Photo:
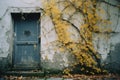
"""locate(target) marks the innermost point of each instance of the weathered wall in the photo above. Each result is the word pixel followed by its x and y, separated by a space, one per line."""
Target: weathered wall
pixel 107 44
pixel 51 58
pixel 6 28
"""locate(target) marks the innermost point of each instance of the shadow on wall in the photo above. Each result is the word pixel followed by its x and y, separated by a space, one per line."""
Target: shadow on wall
pixel 3 65
pixel 113 60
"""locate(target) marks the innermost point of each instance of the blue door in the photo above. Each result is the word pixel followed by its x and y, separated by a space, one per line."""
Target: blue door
pixel 26 41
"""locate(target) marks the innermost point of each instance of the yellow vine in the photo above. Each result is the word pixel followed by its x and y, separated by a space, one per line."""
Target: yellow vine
pixel 87 58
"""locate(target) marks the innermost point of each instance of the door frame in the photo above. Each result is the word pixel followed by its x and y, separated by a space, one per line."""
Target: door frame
pixel 38 33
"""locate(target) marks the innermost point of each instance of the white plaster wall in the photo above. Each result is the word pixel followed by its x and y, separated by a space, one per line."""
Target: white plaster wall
pixel 50 56
pixel 6 28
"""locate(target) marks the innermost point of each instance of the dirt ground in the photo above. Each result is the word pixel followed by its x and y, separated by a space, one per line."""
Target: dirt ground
pixel 63 77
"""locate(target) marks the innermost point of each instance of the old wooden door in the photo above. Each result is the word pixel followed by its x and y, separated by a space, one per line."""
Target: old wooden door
pixel 26 41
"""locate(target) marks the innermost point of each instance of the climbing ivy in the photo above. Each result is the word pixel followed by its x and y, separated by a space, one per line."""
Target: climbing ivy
pixel 87 58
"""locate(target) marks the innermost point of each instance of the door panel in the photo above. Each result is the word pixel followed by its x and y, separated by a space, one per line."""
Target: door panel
pixel 26 31
pixel 26 56
pixel 26 41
